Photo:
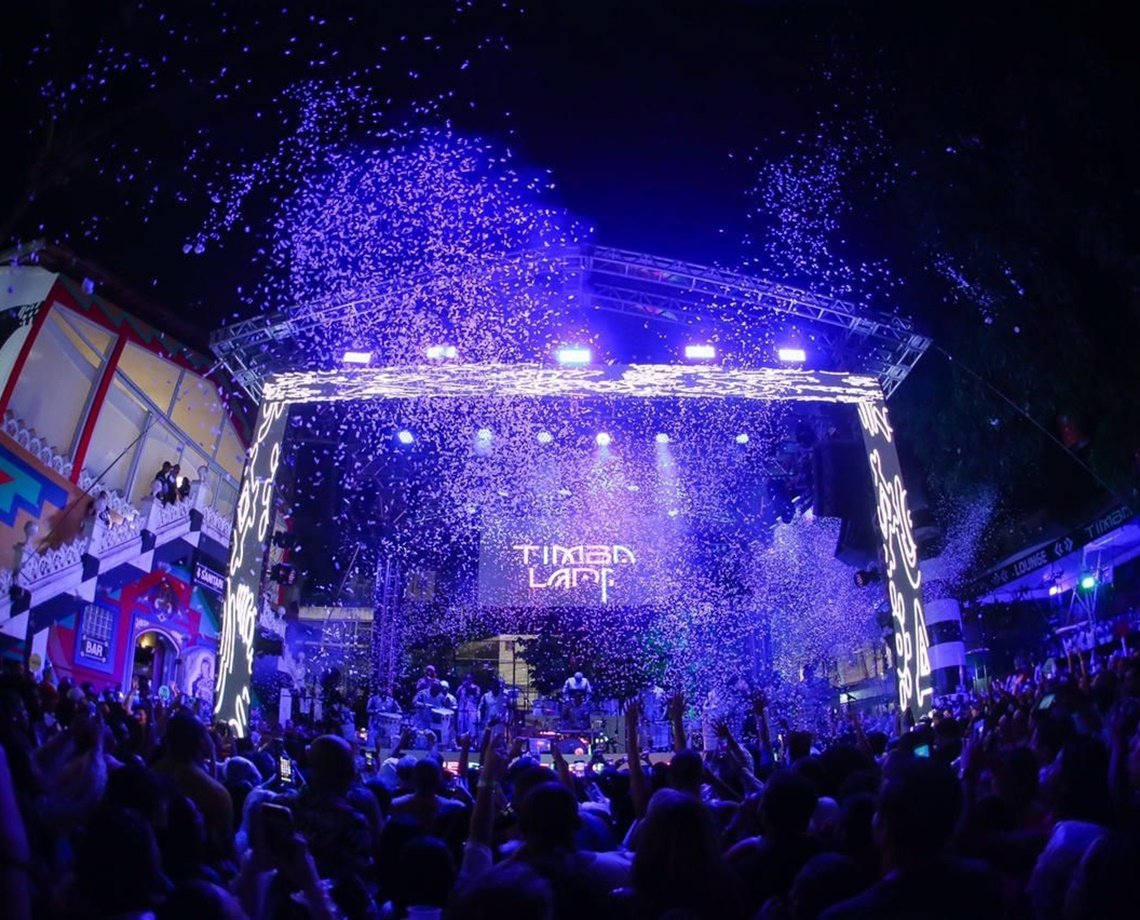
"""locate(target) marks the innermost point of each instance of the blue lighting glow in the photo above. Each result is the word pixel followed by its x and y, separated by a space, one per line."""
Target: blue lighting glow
pixel 662 438
pixel 484 435
pixel 573 355
pixel 357 357
pixel 742 438
pixel 603 439
pixel 441 352
pixel 545 437
pixel 791 355
pixel 405 437
pixel 700 352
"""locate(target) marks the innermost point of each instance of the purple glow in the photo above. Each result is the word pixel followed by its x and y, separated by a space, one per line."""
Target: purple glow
pixel 484 436
pixel 791 355
pixel 573 355
pixel 603 439
pixel 742 438
pixel 700 352
pixel 405 437
pixel 545 437
pixel 441 352
pixel 662 438
pixel 357 357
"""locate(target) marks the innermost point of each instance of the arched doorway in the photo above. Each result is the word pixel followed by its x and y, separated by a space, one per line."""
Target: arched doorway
pixel 156 660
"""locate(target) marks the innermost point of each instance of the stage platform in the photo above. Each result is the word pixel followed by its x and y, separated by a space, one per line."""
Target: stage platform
pixel 451 758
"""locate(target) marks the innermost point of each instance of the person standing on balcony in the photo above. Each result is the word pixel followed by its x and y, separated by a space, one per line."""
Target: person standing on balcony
pixel 160 488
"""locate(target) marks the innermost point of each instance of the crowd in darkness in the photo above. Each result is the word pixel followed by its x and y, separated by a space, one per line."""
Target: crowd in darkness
pixel 1024 802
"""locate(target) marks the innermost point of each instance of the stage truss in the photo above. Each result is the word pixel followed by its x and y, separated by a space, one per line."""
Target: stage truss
pixel 841 336
pixel 255 505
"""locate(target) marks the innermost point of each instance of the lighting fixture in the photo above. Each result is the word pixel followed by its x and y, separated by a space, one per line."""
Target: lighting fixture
pixel 603 439
pixel 545 437
pixel 662 438
pixel 357 357
pixel 573 355
pixel 742 438
pixel 791 355
pixel 700 352
pixel 405 437
pixel 441 352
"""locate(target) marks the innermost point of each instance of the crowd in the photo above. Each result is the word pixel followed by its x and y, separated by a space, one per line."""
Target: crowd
pixel 1022 802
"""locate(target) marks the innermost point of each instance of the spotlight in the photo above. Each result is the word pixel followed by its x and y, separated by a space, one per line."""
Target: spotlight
pixel 1089 581
pixel 700 352
pixel 603 439
pixel 662 438
pixel 405 437
pixel 573 355
pixel 357 357
pixel 1054 590
pixel 742 438
pixel 484 435
pixel 441 352
pixel 791 355
pixel 866 577
pixel 545 437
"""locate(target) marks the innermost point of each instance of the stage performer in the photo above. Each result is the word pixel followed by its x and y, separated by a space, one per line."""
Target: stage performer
pixel 495 703
pixel 428 678
pixel 381 703
pixel 576 701
pixel 467 698
pixel 424 702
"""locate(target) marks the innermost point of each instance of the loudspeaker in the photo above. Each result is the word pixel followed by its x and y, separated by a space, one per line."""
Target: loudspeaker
pixel 841 478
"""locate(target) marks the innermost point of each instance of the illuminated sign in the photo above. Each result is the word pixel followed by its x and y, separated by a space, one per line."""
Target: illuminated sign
pixel 96 628
pixel 551 567
pixel 212 581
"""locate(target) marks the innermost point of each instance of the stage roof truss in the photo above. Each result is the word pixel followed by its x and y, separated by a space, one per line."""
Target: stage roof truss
pixel 843 336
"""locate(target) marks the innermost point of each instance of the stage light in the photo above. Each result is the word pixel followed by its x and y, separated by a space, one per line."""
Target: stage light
pixel 545 437
pixel 742 438
pixel 791 355
pixel 357 357
pixel 405 437
pixel 662 438
pixel 441 352
pixel 700 352
pixel 484 435
pixel 1089 581
pixel 603 439
pixel 1055 590
pixel 573 355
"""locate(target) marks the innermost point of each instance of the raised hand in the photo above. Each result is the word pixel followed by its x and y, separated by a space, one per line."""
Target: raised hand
pixel 677 706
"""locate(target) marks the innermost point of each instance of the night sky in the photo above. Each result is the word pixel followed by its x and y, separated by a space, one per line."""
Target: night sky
pixel 989 122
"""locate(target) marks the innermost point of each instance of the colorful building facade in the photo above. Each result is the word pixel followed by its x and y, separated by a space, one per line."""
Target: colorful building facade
pixel 105 575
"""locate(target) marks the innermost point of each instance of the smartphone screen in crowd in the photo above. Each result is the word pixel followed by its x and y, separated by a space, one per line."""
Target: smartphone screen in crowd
pixel 285 770
pixel 923 750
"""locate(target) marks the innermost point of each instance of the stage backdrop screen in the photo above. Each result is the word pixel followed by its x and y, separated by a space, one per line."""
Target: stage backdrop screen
pixel 564 563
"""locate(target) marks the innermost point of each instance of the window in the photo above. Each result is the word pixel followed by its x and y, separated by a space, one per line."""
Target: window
pixel 155 377
pixel 115 440
pixel 62 371
pixel 231 451
pixel 198 412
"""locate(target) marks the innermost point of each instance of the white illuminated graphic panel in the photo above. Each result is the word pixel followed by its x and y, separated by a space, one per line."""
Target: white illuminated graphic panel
pixel 900 559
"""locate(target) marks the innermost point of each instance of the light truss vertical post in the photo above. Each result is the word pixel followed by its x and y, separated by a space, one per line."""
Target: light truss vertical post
pixel 900 560
pixel 248 546
pixel 386 625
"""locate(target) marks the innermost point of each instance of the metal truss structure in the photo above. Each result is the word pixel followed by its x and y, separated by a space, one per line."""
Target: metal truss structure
pixel 843 336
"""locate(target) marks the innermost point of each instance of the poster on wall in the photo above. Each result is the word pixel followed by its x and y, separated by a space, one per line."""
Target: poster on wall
pixel 199 679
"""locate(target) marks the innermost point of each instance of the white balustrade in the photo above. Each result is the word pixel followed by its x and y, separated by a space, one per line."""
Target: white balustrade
pixel 28 439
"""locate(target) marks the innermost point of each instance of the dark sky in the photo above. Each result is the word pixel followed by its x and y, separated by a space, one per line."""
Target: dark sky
pixel 644 111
